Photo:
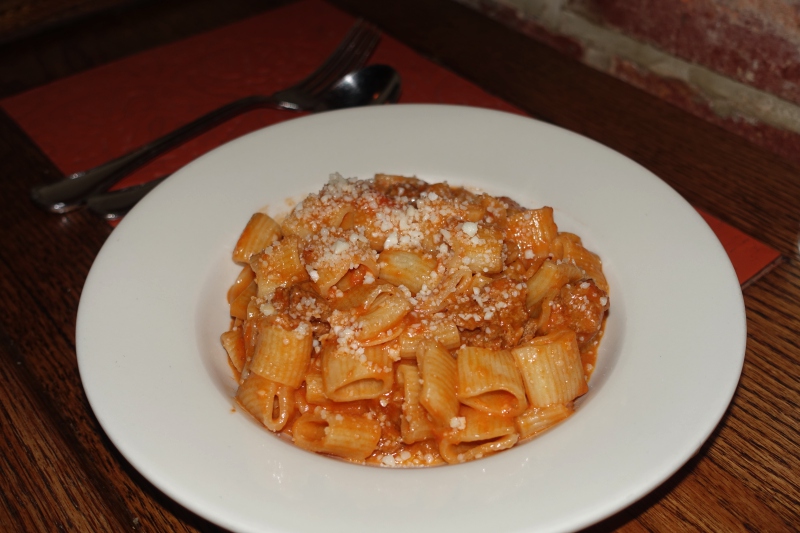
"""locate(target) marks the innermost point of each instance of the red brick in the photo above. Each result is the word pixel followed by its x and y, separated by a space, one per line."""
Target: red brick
pixel 738 43
pixel 754 41
pixel 781 142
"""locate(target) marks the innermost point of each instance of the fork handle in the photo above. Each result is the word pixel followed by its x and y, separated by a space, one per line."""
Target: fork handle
pixel 72 192
pixel 114 205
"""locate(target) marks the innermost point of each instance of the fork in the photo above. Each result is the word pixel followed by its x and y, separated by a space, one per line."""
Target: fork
pixel 352 52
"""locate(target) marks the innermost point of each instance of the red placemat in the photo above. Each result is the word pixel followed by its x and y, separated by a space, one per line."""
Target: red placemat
pixel 750 257
pixel 89 118
pixel 84 120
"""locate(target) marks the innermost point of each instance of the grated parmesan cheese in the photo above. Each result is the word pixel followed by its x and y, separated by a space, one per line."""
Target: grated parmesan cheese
pixel 470 292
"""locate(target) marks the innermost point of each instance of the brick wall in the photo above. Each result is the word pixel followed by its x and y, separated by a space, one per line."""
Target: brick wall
pixel 735 63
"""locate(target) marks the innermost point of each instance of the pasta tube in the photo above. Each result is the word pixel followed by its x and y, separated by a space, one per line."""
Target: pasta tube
pixel 259 233
pixel 342 435
pixel 550 278
pixel 278 266
pixel 537 419
pixel 552 369
pixel 282 355
pixel 572 250
pixel 410 269
pixel 246 276
pixel 270 403
pixel 347 376
pixel 476 434
pixel 533 231
pixel 439 373
pixel 415 425
pixel 490 382
pixel 233 342
pixel 242 300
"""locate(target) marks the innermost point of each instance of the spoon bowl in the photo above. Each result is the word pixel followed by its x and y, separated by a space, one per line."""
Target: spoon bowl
pixel 371 85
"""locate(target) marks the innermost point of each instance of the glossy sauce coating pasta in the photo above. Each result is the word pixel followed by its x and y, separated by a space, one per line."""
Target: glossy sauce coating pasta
pixel 400 323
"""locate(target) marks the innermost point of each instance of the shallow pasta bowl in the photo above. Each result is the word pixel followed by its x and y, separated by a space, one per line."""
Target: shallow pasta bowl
pixel 158 381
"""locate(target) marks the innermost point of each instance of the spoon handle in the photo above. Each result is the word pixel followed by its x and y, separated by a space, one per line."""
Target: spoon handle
pixel 72 192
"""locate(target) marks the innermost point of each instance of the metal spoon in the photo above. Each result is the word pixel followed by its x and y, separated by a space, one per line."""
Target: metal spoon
pixel 374 84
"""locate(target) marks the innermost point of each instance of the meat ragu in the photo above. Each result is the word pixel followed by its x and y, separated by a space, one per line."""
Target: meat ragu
pixel 399 323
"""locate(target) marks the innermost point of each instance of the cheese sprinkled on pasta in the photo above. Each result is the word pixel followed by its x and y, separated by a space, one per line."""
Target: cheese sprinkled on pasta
pixel 398 323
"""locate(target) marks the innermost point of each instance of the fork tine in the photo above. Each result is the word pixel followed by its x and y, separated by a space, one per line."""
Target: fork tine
pixel 352 52
pixel 360 30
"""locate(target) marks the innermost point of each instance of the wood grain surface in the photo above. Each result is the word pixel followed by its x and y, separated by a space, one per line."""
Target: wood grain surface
pixel 25 17
pixel 60 472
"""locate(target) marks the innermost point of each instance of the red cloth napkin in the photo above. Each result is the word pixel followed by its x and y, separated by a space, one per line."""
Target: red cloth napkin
pixel 86 119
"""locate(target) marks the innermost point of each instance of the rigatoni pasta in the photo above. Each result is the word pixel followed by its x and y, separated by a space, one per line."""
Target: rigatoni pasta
pixel 399 323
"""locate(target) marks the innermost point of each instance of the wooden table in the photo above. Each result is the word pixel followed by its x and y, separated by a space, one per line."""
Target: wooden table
pixel 59 471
